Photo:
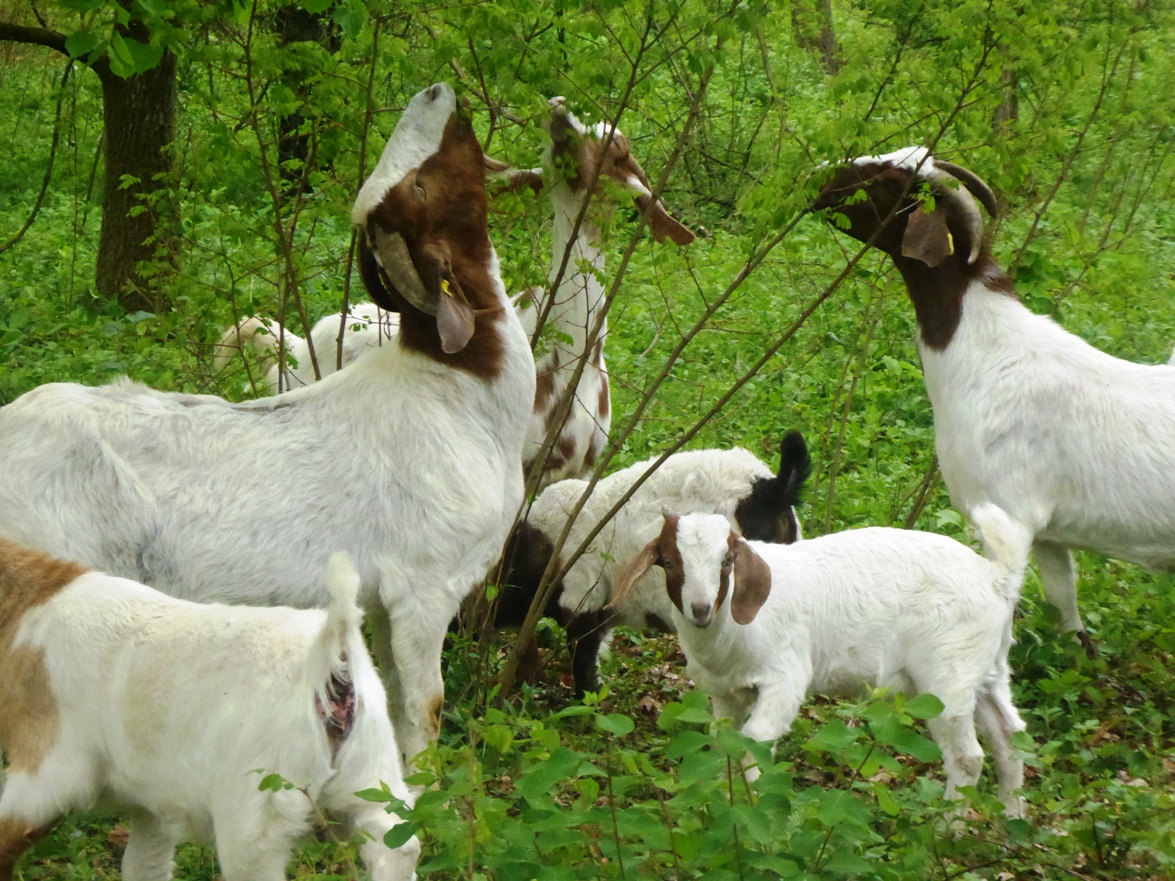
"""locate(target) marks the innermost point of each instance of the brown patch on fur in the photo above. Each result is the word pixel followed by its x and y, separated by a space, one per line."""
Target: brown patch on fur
pixel 30 720
pixel 605 404
pixel 670 560
pixel 544 390
pixel 434 713
pixel 445 233
pixel 15 839
pixel 593 452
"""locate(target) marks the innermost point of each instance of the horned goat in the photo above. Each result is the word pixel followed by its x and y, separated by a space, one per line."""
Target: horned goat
pixel 760 504
pixel 410 459
pixel 116 694
pixel 1075 444
pixel 763 626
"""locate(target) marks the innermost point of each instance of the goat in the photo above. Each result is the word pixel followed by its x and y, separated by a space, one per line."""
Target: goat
pixel 364 326
pixel 578 157
pixel 114 693
pixel 874 607
pixel 1076 445
pixel 410 459
pixel 760 504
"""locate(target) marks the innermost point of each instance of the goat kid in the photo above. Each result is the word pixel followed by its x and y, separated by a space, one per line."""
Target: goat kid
pixel 1076 445
pixel 364 326
pixel 580 156
pixel 759 504
pixel 764 625
pixel 116 694
pixel 410 459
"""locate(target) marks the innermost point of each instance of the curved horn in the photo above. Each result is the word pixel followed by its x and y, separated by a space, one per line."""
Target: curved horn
pixel 973 183
pixel 962 198
pixel 401 271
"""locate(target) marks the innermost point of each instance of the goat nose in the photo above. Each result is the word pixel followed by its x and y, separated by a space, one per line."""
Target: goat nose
pixel 434 91
pixel 701 613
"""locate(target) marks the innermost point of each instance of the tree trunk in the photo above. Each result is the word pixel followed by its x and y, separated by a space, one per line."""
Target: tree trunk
pixel 139 221
pixel 813 28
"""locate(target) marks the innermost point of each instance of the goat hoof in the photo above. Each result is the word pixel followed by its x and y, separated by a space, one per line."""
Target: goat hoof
pixel 1087 644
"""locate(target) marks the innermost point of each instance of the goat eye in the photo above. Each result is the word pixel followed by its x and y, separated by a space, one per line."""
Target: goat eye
pixel 421 191
pixel 663 563
pixel 727 561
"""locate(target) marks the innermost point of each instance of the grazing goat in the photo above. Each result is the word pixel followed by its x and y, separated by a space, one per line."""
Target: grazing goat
pixel 1076 445
pixel 760 504
pixel 410 459
pixel 365 326
pixel 116 694
pixel 579 157
pixel 762 626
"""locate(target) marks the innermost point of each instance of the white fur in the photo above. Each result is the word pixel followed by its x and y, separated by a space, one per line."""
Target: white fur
pixel 865 608
pixel 411 466
pixel 366 326
pixel 168 709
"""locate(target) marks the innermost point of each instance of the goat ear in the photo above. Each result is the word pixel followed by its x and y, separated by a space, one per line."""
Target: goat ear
pixel 454 315
pixel 632 573
pixel 752 583
pixel 927 236
pixel 661 223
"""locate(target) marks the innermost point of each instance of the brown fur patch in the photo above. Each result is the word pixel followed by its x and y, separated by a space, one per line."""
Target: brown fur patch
pixel 544 390
pixel 605 405
pixel 672 562
pixel 15 839
pixel 29 723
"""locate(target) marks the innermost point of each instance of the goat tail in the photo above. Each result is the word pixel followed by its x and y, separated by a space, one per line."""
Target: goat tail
pixel 1006 542
pixel 261 334
pixel 329 666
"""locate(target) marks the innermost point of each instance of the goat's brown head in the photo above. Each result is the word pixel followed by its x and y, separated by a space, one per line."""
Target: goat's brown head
pixel 921 211
pixel 895 186
pixel 577 152
pixel 421 217
pixel 701 555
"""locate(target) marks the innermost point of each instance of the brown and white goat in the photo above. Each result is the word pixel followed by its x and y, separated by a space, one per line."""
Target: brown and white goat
pixel 1075 444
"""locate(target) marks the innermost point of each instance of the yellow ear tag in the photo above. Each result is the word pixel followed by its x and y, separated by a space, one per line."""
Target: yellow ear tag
pixel 950 243
pixel 445 284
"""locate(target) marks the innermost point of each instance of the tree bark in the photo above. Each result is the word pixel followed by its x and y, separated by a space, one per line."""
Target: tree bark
pixel 139 219
pixel 814 30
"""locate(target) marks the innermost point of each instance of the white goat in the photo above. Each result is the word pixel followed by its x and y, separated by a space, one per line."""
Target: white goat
pixel 1075 444
pixel 871 607
pixel 410 459
pixel 579 156
pixel 116 694
pixel 734 482
pixel 364 327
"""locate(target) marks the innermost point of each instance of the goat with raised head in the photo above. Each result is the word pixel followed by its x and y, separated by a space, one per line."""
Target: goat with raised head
pixel 115 694
pixel 761 505
pixel 364 326
pixel 410 459
pixel 763 626
pixel 581 159
pixel 1075 444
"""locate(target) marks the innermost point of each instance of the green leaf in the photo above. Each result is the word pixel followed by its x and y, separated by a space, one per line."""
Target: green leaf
pixel 924 706
pixel 400 833
pixel 81 43
pixel 616 724
pixel 316 6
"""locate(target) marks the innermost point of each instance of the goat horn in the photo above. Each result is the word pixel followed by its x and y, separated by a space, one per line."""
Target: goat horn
pixel 401 271
pixel 965 201
pixel 972 182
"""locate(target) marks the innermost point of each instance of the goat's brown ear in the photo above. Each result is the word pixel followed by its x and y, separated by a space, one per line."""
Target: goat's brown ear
pixel 661 223
pixel 632 573
pixel 752 583
pixel 454 315
pixel 927 237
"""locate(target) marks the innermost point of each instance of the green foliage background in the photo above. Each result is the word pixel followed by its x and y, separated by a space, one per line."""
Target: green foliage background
pixel 1065 108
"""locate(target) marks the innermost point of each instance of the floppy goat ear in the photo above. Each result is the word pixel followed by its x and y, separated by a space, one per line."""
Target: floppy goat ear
pixel 752 583
pixel 632 573
pixel 927 237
